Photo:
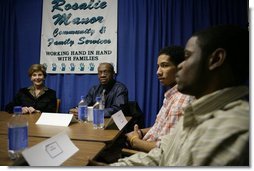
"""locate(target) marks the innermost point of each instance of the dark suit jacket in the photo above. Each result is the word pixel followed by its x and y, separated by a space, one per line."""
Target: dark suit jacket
pixel 44 103
pixel 116 96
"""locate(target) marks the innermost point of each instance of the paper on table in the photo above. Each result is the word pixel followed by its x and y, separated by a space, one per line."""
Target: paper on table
pixel 51 152
pixel 56 119
pixel 119 119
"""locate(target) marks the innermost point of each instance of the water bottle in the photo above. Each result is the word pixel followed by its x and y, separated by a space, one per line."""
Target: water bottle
pixel 82 110
pixel 97 103
pixel 98 114
pixel 17 133
pixel 102 101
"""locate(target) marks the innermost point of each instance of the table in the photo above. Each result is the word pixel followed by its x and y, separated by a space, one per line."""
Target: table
pixel 90 141
pixel 76 131
pixel 80 158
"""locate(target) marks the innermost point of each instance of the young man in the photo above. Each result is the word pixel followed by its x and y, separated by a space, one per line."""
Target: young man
pixel 116 93
pixel 214 129
pixel 171 110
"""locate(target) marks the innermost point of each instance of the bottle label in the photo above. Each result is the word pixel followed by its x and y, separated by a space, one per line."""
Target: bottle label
pixel 98 116
pixel 18 138
pixel 82 113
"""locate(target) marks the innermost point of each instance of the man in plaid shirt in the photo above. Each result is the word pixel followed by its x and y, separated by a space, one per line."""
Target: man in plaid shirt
pixel 171 110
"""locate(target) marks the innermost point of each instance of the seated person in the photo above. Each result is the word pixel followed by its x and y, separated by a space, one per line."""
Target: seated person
pixel 37 97
pixel 116 93
pixel 214 129
pixel 171 110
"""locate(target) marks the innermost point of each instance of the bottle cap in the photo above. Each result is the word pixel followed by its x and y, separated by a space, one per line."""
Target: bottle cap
pixel 82 97
pixel 17 109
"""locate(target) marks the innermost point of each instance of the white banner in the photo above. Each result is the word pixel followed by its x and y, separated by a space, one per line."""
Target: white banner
pixel 77 35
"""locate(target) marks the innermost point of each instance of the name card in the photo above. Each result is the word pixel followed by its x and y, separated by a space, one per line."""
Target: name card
pixel 51 152
pixel 56 119
pixel 119 119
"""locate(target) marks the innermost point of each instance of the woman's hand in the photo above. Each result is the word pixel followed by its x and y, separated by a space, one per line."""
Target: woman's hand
pixel 28 110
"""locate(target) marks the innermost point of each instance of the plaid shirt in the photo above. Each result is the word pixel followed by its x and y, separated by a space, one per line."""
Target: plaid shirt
pixel 214 131
pixel 169 114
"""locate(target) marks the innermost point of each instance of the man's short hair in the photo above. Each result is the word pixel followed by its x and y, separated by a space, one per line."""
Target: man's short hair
pixel 111 67
pixel 234 40
pixel 176 53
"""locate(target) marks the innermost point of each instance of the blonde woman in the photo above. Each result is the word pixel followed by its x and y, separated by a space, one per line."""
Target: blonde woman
pixel 37 97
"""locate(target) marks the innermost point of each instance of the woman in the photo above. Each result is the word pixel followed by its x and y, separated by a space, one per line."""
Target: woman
pixel 37 97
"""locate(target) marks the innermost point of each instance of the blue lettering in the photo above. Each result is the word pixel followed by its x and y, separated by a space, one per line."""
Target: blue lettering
pixel 64 19
pixel 55 32
pixel 83 6
pixel 57 4
pixel 50 41
pixel 81 40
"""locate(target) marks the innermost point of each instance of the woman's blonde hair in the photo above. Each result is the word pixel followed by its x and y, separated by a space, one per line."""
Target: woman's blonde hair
pixel 35 68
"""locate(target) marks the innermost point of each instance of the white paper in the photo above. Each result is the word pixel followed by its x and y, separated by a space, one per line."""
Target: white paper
pixel 56 119
pixel 90 113
pixel 119 119
pixel 51 152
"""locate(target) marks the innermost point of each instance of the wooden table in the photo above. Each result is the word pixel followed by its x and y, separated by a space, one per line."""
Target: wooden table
pixel 90 141
pixel 87 150
pixel 76 131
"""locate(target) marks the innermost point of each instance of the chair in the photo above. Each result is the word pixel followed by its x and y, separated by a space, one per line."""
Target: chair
pixel 131 109
pixel 58 101
pixel 136 113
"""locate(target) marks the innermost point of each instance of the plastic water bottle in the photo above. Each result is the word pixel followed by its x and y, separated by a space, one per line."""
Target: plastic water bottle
pixel 102 101
pixel 98 114
pixel 82 110
pixel 97 103
pixel 17 133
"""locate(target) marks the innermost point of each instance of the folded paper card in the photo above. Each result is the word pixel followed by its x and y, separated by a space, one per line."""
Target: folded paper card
pixel 119 119
pixel 56 119
pixel 51 152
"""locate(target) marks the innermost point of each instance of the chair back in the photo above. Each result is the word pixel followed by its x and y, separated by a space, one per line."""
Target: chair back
pixel 137 114
pixel 58 101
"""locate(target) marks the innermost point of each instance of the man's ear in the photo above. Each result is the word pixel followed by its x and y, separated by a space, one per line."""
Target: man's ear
pixel 217 58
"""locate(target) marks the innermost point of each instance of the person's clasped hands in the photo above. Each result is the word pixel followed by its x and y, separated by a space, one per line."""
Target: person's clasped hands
pixel 74 111
pixel 29 110
pixel 135 134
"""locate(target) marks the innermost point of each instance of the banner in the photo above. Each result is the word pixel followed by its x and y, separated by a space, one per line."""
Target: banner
pixel 77 35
